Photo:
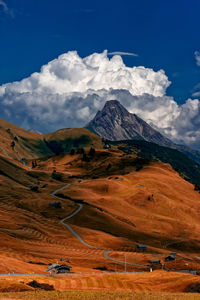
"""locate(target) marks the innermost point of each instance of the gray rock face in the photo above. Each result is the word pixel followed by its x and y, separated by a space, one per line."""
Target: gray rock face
pixel 115 123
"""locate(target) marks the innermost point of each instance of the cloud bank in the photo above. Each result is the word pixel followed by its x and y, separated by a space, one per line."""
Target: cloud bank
pixel 69 90
pixel 70 73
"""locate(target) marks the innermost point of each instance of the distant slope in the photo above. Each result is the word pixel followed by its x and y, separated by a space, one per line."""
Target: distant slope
pixel 178 160
pixel 64 140
pixel 26 144
pixel 191 153
pixel 18 143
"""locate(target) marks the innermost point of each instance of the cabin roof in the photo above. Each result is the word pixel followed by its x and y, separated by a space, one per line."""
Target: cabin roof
pixel 141 246
pixel 155 261
pixel 52 266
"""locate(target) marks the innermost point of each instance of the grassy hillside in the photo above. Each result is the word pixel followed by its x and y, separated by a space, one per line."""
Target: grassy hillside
pixel 186 167
pixel 63 140
pixel 127 198
pixel 129 203
pixel 122 206
pixel 14 172
pixel 17 143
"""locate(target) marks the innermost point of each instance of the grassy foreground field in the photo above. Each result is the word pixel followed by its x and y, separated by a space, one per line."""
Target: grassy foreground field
pixel 155 285
pixel 95 295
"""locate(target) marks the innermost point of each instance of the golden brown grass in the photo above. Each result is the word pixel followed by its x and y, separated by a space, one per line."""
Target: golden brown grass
pixel 96 295
pixel 31 145
pixel 153 206
pixel 156 281
pixel 119 216
pixel 27 144
pixel 30 230
pixel 69 134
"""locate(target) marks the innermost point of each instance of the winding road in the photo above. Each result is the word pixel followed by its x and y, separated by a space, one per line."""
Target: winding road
pixel 107 252
pixel 63 222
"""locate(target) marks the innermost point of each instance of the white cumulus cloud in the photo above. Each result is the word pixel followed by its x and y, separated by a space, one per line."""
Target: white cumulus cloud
pixel 70 73
pixel 69 90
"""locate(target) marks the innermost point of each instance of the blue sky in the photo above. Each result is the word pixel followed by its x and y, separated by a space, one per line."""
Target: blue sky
pixel 68 88
pixel 165 34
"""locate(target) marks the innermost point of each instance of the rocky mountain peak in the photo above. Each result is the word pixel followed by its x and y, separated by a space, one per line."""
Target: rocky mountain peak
pixel 115 108
pixel 115 123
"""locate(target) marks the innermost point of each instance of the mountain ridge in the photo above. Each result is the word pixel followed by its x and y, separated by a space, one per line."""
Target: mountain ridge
pixel 115 123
